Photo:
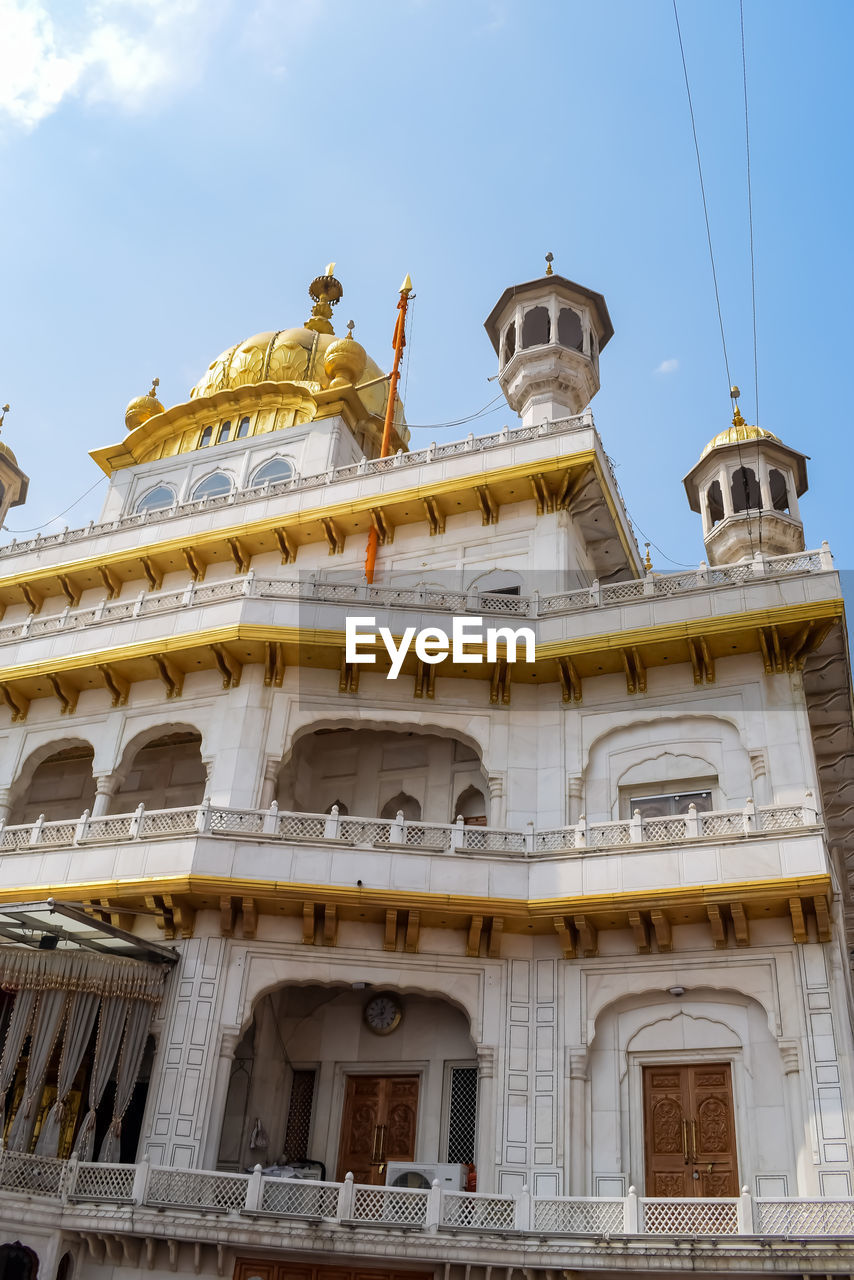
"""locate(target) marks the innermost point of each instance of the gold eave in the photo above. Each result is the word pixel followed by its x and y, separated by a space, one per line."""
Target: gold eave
pixel 231 647
pixel 308 527
pixel 753 900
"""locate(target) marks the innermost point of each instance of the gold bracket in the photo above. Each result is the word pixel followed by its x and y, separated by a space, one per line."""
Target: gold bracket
pixel 118 687
pixel 65 692
pixel 413 932
pixel 566 936
pixel 499 685
pixel 308 923
pixel 287 546
pixel 227 915
pixel 330 924
pixel 640 932
pixel 740 924
pixel 111 582
pixel 822 918
pixel 435 516
pixel 588 936
pixel 383 526
pixel 230 669
pixel 34 599
pixel 634 669
pixel 250 917
pixel 19 705
pixel 348 681
pixel 487 504
pixel 195 564
pixel 799 924
pixel 718 926
pixel 152 573
pixel 70 590
pixel 274 664
pixel 333 535
pixel 390 937
pixel 542 494
pixel 172 676
pixel 570 680
pixel 663 930
pixel 473 940
pixel 241 560
pixel 496 929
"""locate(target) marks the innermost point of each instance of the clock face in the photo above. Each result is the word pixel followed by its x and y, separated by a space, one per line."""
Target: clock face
pixel 383 1014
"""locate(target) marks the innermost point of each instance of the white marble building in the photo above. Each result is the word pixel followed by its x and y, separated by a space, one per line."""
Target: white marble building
pixel 571 932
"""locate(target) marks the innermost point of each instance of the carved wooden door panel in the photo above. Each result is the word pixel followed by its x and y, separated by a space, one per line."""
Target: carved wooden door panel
pixel 689 1131
pixel 378 1125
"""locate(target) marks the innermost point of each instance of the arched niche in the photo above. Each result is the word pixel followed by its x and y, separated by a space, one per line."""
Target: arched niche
pixel 470 805
pixel 17 1262
pixel 401 803
pixel 363 768
pixel 161 768
pixel 56 780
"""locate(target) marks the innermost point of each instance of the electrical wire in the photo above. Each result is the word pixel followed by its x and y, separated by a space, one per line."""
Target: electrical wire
pixel 37 527
pixel 459 422
pixel 750 213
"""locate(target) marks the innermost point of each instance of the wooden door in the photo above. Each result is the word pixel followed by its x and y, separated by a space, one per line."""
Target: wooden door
pixel 689 1131
pixel 378 1125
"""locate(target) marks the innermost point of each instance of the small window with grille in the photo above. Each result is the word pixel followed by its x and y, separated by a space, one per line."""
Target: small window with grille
pixel 298 1127
pixel 668 805
pixel 462 1114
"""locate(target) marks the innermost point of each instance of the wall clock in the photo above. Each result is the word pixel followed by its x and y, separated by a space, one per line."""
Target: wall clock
pixel 382 1014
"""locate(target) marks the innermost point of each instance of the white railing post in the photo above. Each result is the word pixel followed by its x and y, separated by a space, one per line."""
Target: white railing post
pixel 333 821
pixel 702 573
pixel 458 832
pixel 138 603
pixel 254 1191
pixel 69 1177
pixel 581 832
pixel 189 592
pixel 136 822
pixel 344 1211
pixel 809 812
pixel 649 583
pixel 595 592
pixel 434 1207
pixel 692 823
pixel 636 828
pixel 522 1217
pixel 758 565
pixel 631 1214
pixel 271 818
pixel 749 815
pixel 744 1213
pixel 36 832
pixel 82 827
pixel 140 1180
pixel 396 834
pixel 826 557
pixel 203 816
pixel 248 582
pixel 529 837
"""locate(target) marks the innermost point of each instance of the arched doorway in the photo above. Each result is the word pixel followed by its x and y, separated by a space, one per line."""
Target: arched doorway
pixel 60 786
pixel 350 1079
pixel 166 772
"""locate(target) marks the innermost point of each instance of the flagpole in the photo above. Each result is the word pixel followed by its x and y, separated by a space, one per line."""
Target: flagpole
pixel 398 342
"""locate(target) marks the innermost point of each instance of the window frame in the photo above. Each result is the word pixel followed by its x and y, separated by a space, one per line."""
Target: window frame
pixel 195 496
pixel 138 509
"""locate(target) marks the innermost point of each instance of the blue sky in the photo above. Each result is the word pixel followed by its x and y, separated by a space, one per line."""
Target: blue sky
pixel 176 171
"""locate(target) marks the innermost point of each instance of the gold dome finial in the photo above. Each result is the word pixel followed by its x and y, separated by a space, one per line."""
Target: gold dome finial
pixel 3 413
pixel 142 408
pixel 345 360
pixel 737 420
pixel 549 260
pixel 327 292
pixel 647 563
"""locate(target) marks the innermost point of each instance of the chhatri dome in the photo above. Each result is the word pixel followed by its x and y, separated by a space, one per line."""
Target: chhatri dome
pixel 739 433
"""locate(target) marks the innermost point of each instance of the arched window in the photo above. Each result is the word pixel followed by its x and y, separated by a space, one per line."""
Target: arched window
pixel 402 803
pixel 569 331
pixel 224 433
pixel 206 437
pixel 156 499
pixel 272 472
pixel 510 341
pixel 536 327
pixel 745 490
pixel 213 486
pixel 715 503
pixel 779 490
pixel 471 807
pixel 242 429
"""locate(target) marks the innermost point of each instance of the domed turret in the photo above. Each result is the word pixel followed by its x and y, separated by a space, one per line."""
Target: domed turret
pixel 13 483
pixel 345 360
pixel 143 408
pixel 746 487
pixel 548 334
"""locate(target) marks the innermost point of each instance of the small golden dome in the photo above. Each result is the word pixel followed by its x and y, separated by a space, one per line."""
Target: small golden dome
pixel 738 433
pixel 345 360
pixel 7 452
pixel 143 407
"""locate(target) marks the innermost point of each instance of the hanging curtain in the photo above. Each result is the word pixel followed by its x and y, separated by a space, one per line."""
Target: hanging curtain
pixel 19 1025
pixel 78 1029
pixel 133 1047
pixel 48 1022
pixel 110 1025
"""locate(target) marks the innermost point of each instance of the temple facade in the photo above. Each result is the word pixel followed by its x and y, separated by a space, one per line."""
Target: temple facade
pixel 331 948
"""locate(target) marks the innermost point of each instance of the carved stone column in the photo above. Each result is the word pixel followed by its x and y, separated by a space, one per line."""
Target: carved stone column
pixel 790 1055
pixel 485 1153
pixel 216 1114
pixel 577 1071
pixel 5 803
pixel 268 786
pixel 574 797
pixel 497 800
pixel 105 788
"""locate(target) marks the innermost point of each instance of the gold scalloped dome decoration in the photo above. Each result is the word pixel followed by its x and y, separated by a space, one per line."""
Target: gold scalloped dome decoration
pixel 739 433
pixel 142 408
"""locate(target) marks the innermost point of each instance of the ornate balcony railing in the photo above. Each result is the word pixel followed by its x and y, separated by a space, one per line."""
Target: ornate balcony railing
pixel 366 467
pixel 256 1195
pixel 309 589
pixel 401 833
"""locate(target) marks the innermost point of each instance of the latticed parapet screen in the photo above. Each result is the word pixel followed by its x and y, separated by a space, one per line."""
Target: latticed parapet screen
pixel 478 1212
pixel 580 1216
pixel 803 1217
pixel 298 1125
pixel 608 834
pixel 396 1206
pixel 39 1175
pixel 296 826
pixel 97 1182
pixel 184 1188
pixel 689 1217
pixel 462 1115
pixel 58 833
pixel 780 817
pixel 237 822
pixel 299 1199
pixel 112 828
pixel 170 822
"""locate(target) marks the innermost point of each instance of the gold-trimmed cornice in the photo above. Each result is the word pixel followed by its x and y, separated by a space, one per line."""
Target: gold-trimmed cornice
pixel 171 658
pixel 728 909
pixel 451 496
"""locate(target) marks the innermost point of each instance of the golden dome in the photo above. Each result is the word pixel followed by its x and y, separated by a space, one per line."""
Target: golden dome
pixel 738 433
pixel 345 360
pixel 7 453
pixel 142 408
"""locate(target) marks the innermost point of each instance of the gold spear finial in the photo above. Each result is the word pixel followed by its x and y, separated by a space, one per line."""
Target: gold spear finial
pixel 155 383
pixel 3 413
pixel 737 420
pixel 549 260
pixel 647 564
pixel 406 287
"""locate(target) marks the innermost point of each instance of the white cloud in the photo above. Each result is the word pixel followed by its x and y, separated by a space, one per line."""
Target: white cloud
pixel 667 366
pixel 117 51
